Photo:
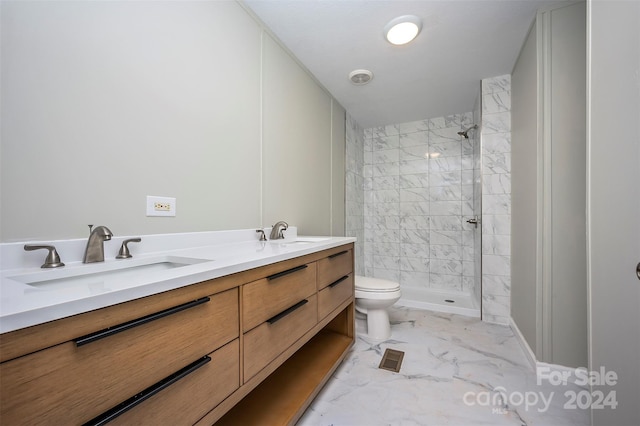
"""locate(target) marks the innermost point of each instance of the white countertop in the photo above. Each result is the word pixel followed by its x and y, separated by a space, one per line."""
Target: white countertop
pixel 23 305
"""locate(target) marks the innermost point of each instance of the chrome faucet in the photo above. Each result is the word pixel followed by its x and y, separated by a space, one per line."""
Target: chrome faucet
pixel 94 252
pixel 278 228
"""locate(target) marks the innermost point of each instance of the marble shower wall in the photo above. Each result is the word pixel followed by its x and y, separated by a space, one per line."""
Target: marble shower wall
pixel 496 199
pixel 354 189
pixel 407 205
pixel 418 192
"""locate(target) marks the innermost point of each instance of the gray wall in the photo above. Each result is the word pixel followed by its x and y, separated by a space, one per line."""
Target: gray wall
pixel 354 189
pixel 614 203
pixel 568 287
pixel 338 169
pixel 549 190
pixel 524 194
pixel 104 103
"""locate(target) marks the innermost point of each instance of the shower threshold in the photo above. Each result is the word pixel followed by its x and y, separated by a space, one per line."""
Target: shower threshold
pixel 439 301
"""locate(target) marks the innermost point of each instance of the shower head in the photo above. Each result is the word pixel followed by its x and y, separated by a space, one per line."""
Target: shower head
pixel 465 132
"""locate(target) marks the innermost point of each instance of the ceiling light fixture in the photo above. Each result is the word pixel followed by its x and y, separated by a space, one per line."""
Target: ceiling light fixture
pixel 360 77
pixel 402 29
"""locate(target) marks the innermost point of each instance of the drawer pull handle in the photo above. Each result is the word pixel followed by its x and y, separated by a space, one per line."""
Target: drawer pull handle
pixel 333 284
pixel 80 341
pixel 127 405
pixel 287 311
pixel 287 272
pixel 331 256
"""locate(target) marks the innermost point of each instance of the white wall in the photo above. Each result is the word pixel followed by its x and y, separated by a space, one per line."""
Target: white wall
pixel 104 103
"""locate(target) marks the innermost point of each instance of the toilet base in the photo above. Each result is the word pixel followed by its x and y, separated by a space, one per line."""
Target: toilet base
pixel 373 297
pixel 378 327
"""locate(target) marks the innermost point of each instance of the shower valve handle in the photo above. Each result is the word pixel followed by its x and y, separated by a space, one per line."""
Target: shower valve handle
pixel 474 221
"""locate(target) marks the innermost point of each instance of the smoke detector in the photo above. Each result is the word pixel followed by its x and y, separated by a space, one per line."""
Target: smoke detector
pixel 360 77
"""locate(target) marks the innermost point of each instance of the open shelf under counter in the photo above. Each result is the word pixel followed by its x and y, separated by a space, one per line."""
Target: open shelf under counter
pixel 284 396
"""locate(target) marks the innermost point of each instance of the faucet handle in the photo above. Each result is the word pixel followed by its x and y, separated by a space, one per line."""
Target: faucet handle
pixel 262 236
pixel 124 249
pixel 52 260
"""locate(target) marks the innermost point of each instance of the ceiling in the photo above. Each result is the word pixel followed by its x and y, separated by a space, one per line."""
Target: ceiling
pixel 462 42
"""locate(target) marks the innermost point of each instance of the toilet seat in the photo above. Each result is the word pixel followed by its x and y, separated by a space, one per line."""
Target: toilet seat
pixel 375 285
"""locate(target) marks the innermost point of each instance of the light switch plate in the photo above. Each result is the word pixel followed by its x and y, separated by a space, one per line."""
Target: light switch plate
pixel 161 206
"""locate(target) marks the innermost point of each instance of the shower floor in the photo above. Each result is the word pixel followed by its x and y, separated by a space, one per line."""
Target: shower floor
pixel 450 302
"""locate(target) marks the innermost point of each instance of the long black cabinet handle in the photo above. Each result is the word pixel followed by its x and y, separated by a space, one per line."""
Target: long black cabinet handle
pixel 287 272
pixel 287 311
pixel 80 341
pixel 335 283
pixel 127 405
pixel 331 256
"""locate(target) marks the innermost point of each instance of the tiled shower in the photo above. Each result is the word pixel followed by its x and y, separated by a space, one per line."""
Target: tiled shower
pixel 411 187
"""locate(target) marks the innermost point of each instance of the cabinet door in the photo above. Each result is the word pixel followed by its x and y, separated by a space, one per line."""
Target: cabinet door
pixel 267 297
pixel 334 267
pixel 334 294
pixel 190 398
pixel 71 383
pixel 271 338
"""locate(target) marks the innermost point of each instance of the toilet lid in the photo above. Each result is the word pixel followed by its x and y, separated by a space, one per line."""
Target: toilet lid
pixel 375 284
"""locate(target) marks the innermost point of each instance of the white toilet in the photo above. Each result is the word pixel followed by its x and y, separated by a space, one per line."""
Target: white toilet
pixel 373 297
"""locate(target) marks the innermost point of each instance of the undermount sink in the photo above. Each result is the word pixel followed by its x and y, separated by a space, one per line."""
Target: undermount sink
pixel 108 274
pixel 306 240
pixel 311 239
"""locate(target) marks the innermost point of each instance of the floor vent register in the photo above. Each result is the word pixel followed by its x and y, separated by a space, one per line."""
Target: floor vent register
pixel 391 360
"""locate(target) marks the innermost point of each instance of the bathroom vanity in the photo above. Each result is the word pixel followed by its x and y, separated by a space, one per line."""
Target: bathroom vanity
pixel 249 347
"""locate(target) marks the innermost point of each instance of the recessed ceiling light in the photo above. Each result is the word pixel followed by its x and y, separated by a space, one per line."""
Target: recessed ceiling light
pixel 360 77
pixel 402 29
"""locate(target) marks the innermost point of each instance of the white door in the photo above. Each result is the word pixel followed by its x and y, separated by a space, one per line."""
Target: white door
pixel 614 209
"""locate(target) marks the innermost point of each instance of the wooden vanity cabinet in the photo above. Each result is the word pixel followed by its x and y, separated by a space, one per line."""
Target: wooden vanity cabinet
pixel 287 363
pixel 210 352
pixel 74 381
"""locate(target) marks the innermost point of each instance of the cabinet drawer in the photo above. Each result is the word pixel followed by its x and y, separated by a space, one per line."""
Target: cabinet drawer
pixel 267 297
pixel 334 294
pixel 268 340
pixel 193 396
pixel 70 384
pixel 334 267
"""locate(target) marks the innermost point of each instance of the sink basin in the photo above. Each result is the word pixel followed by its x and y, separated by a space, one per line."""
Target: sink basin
pixel 109 274
pixel 306 240
pixel 311 239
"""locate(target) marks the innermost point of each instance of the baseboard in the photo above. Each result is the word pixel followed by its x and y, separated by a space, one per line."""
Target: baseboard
pixel 543 369
pixel 531 357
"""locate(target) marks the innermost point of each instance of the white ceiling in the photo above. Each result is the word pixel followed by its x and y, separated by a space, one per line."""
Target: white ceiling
pixel 462 42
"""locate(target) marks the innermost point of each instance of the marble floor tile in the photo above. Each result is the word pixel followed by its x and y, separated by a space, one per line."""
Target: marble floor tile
pixel 456 371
